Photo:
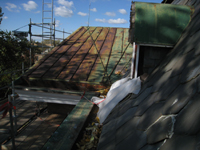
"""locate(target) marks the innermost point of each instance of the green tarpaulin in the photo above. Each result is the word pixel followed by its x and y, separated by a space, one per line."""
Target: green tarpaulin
pixel 158 24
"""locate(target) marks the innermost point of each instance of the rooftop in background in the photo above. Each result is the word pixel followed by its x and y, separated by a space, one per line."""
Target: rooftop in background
pixel 75 63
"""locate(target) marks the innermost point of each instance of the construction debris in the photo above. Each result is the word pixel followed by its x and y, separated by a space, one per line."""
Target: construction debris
pixel 90 138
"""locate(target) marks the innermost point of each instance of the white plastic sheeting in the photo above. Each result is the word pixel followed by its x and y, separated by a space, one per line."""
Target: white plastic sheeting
pixel 118 91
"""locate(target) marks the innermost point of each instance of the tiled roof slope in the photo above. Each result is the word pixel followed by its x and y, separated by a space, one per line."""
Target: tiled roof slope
pixel 165 115
pixel 76 58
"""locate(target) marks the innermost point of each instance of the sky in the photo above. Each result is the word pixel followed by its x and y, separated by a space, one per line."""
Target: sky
pixel 69 15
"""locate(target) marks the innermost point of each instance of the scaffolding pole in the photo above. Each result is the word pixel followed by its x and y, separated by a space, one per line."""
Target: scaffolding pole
pixel 63 34
pixel 14 106
pixel 51 24
pixel 54 32
pixel 11 125
pixel 30 42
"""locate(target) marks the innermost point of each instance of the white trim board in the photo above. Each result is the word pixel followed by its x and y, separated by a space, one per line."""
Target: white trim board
pixel 48 97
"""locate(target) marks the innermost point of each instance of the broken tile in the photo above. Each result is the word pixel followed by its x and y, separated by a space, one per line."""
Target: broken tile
pixel 187 121
pixel 150 116
pixel 161 130
pixel 135 141
pixel 180 142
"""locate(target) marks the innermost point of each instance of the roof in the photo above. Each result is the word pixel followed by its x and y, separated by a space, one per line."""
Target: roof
pixel 76 61
pixel 165 114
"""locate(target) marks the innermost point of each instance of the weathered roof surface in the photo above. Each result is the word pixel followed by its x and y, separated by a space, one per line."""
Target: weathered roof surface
pixel 76 59
pixel 165 115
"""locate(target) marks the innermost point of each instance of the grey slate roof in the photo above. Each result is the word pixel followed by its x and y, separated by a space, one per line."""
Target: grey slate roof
pixel 165 115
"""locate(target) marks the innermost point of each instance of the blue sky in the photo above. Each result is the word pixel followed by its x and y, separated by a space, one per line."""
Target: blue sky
pixel 69 15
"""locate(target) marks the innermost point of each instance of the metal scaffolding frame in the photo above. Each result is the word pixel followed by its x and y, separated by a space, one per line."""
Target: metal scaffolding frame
pixel 47 34
pixel 48 28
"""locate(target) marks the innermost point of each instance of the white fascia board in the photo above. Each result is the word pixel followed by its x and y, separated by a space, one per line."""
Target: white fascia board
pixel 48 97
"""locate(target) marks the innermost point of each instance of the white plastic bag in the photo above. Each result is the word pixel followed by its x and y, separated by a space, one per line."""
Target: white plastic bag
pixel 118 91
pixel 116 84
pixel 97 100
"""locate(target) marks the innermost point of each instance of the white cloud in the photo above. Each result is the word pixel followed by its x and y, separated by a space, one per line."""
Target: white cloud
pixel 82 14
pixel 117 21
pixel 57 23
pixel 112 14
pixel 11 7
pixel 94 9
pixel 112 21
pixel 5 17
pixel 101 20
pixel 31 5
pixel 68 4
pixel 122 11
pixel 37 12
pixel 63 11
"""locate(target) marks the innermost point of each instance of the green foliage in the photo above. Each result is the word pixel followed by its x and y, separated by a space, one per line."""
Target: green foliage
pixel 13 52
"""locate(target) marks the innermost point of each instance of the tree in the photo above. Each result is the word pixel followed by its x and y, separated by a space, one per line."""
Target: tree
pixel 13 51
pixel 1 15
